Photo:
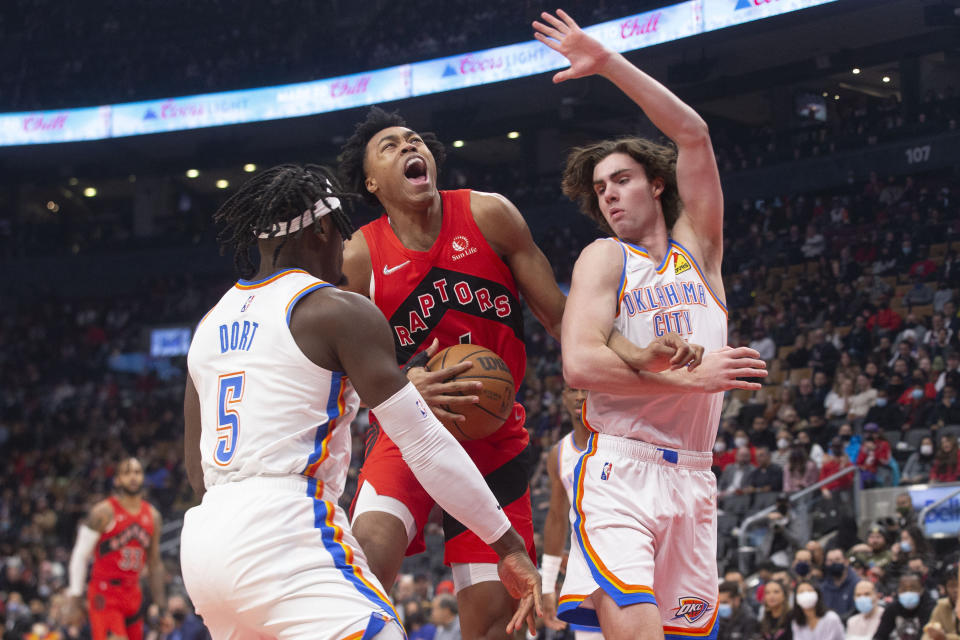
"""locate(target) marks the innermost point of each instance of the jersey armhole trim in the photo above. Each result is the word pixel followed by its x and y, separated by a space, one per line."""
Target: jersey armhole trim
pixel 622 289
pixel 300 294
pixel 689 256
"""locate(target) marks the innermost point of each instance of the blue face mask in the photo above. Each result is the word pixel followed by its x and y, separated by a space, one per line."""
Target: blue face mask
pixel 864 604
pixel 881 402
pixel 909 599
pixel 724 610
pixel 906 547
pixel 802 568
pixel 917 394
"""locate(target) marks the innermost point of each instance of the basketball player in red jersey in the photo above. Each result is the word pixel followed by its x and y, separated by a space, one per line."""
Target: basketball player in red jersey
pixel 447 267
pixel 444 267
pixel 123 534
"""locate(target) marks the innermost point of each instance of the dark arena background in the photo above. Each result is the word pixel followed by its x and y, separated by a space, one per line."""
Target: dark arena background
pixel 124 125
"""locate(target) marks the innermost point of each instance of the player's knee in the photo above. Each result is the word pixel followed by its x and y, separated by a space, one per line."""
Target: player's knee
pixel 379 530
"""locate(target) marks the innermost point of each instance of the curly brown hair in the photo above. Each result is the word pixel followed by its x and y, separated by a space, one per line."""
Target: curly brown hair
pixel 658 160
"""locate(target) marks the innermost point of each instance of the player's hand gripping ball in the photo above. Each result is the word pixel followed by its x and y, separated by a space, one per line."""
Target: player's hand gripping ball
pixel 496 395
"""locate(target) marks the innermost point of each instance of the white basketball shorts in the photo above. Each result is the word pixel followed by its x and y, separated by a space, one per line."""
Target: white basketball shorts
pixel 644 529
pixel 271 558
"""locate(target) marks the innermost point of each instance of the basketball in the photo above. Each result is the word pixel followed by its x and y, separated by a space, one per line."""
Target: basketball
pixel 496 396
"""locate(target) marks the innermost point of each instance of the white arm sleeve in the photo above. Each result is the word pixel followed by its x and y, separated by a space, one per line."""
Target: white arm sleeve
pixel 82 550
pixel 440 463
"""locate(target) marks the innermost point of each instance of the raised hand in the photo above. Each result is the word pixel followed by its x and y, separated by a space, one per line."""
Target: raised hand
pixel 586 55
pixel 720 369
pixel 441 395
pixel 522 581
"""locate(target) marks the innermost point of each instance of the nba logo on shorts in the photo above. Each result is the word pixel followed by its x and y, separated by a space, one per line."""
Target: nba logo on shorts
pixel 246 305
pixel 691 609
pixel 606 471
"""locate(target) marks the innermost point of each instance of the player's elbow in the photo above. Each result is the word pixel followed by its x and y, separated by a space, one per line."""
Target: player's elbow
pixel 575 369
pixel 694 132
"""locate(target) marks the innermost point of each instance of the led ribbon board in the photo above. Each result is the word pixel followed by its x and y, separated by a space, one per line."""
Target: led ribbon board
pixel 383 85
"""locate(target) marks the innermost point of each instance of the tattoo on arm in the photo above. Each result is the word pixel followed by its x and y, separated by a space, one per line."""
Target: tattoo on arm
pixel 99 517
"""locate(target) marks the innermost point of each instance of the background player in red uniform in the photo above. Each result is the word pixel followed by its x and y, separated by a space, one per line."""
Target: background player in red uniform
pixel 444 267
pixel 123 532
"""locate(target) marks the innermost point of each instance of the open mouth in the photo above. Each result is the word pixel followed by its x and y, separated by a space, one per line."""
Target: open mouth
pixel 415 170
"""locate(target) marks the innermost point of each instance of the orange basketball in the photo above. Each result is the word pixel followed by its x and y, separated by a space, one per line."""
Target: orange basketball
pixel 496 396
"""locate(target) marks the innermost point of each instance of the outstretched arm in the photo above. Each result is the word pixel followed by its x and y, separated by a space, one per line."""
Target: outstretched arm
pixel 701 222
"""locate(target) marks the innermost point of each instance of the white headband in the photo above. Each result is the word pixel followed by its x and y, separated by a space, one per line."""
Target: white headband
pixel 307 218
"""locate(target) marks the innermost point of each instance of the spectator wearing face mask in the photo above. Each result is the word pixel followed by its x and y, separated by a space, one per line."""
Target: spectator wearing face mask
pixel 812 620
pixel 906 616
pixel 803 564
pixel 919 464
pixel 943 621
pixel 839 583
pixel 735 620
pixel 781 456
pixel 946 466
pixel 722 456
pixel 863 625
pixel 885 414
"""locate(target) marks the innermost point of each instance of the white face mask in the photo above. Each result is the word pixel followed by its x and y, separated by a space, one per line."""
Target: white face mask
pixel 783 443
pixel 741 442
pixel 926 449
pixel 807 599
pixel 720 446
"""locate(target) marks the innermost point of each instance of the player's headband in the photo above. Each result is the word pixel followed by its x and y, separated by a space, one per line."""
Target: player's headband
pixel 320 208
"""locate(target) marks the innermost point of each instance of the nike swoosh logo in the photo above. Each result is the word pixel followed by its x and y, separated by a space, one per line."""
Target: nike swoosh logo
pixel 388 270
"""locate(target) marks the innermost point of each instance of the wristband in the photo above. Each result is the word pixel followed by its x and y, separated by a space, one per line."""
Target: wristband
pixel 549 570
pixel 419 360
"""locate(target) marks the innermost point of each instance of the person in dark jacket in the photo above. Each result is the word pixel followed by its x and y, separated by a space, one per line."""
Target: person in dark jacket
pixel 736 621
pixel 839 581
pixel 905 617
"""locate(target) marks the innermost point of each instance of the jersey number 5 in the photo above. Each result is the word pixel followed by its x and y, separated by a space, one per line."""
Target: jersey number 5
pixel 228 424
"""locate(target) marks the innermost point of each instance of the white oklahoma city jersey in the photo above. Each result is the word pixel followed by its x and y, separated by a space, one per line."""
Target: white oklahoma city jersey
pixel 672 297
pixel 265 408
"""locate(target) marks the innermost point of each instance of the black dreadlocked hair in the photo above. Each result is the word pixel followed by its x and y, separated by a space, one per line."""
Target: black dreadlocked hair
pixel 270 200
pixel 352 173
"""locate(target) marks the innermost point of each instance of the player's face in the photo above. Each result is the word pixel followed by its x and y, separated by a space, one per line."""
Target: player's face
pixel 130 477
pixel 399 167
pixel 629 202
pixel 573 400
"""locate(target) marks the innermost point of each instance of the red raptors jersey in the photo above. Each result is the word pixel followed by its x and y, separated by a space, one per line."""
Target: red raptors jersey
pixel 122 550
pixel 459 291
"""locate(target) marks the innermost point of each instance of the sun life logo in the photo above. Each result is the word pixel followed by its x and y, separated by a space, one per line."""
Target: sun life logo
pixel 461 247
